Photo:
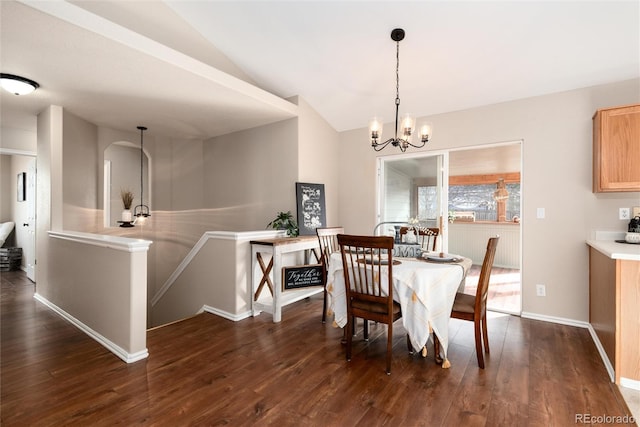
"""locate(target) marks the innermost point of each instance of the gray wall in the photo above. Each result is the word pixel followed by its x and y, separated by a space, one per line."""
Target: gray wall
pixel 80 175
pixel 251 175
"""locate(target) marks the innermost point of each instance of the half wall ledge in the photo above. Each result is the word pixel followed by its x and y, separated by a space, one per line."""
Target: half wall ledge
pixel 99 284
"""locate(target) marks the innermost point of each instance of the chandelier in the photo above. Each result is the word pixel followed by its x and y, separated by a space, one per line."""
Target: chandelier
pixel 408 124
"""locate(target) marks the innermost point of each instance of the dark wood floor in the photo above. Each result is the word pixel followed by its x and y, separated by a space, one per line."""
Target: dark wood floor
pixel 210 371
pixel 504 288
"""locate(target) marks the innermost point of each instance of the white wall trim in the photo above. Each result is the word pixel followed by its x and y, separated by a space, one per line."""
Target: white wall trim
pixel 109 345
pixel 603 354
pixel 553 319
pixel 225 314
pixel 14 152
pixel 220 235
pixel 629 383
pixel 112 242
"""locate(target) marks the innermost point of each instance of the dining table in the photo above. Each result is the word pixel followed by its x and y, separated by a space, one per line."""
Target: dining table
pixel 425 286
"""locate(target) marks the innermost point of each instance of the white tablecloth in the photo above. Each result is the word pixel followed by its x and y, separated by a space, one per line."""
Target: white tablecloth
pixel 425 291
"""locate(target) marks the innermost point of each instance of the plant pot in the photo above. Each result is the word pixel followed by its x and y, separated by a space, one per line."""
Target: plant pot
pixel 126 215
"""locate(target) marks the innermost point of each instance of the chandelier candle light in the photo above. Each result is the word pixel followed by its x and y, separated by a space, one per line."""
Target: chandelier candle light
pixel 408 124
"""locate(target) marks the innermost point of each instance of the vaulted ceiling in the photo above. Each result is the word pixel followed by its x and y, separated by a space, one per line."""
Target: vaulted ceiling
pixel 204 68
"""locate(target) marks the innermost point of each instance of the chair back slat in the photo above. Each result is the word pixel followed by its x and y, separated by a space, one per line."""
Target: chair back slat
pixel 367 262
pixel 328 240
pixel 427 237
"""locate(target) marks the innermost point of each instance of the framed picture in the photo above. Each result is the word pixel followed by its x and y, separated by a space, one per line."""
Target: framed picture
pixel 311 207
pixel 22 182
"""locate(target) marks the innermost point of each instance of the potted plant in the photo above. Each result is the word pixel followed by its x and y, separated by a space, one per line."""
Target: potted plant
pixel 285 221
pixel 127 201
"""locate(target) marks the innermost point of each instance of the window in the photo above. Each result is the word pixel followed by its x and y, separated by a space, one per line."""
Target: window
pixel 427 203
pixel 478 198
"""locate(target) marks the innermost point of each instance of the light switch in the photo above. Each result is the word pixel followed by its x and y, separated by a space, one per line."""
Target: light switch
pixel 540 213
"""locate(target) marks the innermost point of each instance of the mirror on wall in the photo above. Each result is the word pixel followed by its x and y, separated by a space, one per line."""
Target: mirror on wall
pixel 122 172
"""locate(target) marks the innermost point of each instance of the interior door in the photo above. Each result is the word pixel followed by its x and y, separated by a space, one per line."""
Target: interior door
pixel 29 246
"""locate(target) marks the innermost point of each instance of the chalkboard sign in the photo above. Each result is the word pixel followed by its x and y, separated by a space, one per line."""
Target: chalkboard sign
pixel 302 276
pixel 311 208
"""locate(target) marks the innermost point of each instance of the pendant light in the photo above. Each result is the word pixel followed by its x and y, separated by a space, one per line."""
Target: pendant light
pixel 141 211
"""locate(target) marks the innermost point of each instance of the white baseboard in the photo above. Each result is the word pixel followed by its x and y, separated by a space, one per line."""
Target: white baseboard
pixel 553 319
pixel 109 345
pixel 225 314
pixel 629 383
pixel 603 354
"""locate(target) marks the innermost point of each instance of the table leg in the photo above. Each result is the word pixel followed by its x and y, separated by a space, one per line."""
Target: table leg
pixel 436 349
pixel 265 276
pixel 277 285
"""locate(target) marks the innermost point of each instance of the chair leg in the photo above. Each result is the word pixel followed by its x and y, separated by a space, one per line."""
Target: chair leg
pixel 349 337
pixel 365 329
pixel 324 307
pixel 484 334
pixel 389 345
pixel 477 326
pixel 409 345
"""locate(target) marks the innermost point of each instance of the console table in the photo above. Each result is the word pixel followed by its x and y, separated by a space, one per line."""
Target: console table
pixel 273 300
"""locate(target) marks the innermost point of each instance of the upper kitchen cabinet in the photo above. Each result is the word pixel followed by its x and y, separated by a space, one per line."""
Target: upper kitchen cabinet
pixel 616 149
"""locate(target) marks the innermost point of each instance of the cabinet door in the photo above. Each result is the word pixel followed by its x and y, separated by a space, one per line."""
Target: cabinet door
pixel 617 149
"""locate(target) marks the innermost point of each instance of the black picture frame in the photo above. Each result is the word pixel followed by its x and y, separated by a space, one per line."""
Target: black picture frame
pixel 22 186
pixel 302 276
pixel 311 207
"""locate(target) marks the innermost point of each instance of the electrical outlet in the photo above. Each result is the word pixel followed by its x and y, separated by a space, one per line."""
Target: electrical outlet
pixel 624 213
pixel 636 211
pixel 541 291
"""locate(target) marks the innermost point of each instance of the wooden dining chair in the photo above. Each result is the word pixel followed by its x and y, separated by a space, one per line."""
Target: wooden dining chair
pixel 327 237
pixel 474 307
pixel 427 237
pixel 369 292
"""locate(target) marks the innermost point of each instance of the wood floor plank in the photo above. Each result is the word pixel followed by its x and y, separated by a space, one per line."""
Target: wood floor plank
pixel 207 370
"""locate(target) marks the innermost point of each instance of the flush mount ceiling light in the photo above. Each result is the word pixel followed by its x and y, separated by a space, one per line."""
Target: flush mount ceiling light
pixel 17 85
pixel 408 124
pixel 141 211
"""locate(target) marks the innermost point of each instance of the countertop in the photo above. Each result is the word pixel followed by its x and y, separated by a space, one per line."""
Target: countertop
pixel 615 250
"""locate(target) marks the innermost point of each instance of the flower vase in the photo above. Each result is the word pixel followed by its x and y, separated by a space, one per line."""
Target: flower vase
pixel 126 215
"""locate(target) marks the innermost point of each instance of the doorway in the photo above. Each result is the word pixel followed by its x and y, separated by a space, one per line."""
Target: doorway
pixel 21 210
pixel 455 190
